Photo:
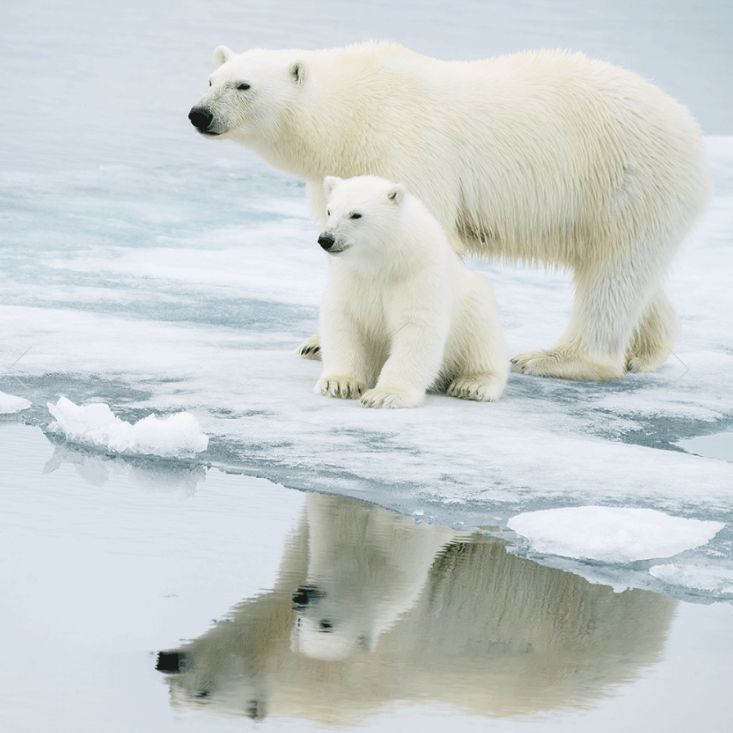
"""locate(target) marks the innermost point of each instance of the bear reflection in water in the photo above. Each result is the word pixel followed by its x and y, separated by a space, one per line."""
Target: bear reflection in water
pixel 370 608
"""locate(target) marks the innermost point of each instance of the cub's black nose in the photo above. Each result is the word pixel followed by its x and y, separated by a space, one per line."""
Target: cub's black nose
pixel 326 241
pixel 171 661
pixel 200 118
pixel 305 594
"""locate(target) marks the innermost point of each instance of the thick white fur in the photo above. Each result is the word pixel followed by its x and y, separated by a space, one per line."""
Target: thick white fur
pixel 541 156
pixel 401 313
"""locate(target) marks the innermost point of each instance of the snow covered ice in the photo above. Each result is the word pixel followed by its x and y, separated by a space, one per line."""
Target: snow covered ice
pixel 96 425
pixel 703 578
pixel 157 272
pixel 611 534
pixel 10 404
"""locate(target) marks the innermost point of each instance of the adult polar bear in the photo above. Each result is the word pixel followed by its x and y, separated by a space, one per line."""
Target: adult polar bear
pixel 541 156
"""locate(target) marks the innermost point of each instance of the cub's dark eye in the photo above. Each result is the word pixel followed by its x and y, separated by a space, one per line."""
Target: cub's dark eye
pixel 209 82
pixel 355 215
pixel 328 212
pixel 243 87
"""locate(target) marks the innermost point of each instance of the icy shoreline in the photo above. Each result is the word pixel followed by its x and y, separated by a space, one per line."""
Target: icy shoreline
pixel 701 575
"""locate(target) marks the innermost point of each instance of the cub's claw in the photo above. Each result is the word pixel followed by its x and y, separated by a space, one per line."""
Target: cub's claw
pixel 310 349
pixel 379 397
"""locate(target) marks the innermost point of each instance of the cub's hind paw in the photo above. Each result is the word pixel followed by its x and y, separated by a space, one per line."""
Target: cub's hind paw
pixel 310 349
pixel 482 388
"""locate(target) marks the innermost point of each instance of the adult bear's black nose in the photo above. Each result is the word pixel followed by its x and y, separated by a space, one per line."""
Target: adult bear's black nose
pixel 200 118
pixel 171 662
pixel 326 240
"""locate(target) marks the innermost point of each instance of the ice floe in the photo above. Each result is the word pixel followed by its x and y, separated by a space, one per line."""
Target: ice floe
pixel 10 404
pixel 611 534
pixel 717 581
pixel 96 425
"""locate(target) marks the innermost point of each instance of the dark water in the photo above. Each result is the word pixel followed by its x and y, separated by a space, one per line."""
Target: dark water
pixel 261 606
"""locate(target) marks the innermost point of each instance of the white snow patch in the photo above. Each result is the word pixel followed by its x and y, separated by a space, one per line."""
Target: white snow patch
pixel 611 534
pixel 97 425
pixel 10 404
pixel 715 580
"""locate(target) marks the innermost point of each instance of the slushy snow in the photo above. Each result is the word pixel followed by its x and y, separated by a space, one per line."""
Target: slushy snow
pixel 611 534
pixel 96 425
pixel 10 404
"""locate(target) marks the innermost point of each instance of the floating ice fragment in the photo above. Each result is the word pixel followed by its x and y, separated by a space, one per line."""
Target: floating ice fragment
pixel 96 425
pixel 10 404
pixel 611 534
pixel 716 580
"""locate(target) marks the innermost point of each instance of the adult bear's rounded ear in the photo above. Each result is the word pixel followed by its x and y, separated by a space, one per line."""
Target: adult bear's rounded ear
pixel 297 72
pixel 330 182
pixel 396 193
pixel 222 54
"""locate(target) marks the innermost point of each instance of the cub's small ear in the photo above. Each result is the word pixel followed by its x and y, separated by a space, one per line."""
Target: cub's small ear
pixel 330 182
pixel 297 71
pixel 222 54
pixel 396 193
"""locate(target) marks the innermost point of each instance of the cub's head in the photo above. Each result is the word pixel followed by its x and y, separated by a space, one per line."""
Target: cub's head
pixel 361 216
pixel 247 93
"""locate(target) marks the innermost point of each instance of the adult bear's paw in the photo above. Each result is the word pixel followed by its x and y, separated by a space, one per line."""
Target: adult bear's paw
pixel 562 364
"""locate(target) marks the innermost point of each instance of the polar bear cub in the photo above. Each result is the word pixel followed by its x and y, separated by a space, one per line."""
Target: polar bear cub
pixel 401 313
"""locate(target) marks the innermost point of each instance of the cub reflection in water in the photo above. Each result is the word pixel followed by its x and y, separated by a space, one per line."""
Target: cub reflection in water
pixel 371 608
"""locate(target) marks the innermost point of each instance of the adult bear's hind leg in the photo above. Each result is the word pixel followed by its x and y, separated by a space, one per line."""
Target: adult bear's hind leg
pixel 609 301
pixel 653 337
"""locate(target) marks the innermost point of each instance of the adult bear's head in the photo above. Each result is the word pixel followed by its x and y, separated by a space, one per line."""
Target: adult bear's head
pixel 248 93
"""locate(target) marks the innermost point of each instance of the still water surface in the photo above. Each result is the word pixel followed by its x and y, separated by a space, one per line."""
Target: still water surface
pixel 263 606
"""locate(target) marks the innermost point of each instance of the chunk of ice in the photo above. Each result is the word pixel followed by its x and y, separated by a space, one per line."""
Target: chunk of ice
pixel 611 534
pixel 10 404
pixel 97 425
pixel 715 580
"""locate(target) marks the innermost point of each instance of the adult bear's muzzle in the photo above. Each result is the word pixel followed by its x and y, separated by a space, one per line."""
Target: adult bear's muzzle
pixel 201 119
pixel 326 240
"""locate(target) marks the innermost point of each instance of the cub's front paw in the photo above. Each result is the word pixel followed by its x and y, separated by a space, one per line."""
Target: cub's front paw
pixel 481 388
pixel 385 397
pixel 346 388
pixel 310 349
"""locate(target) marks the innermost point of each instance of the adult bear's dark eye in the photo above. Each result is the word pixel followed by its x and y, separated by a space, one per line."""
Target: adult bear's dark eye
pixel 243 87
pixel 355 215
pixel 328 212
pixel 209 82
